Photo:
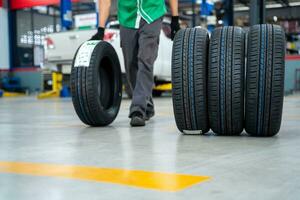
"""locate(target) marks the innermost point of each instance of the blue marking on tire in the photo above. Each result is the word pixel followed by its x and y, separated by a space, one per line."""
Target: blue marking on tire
pixel 261 81
pixel 222 79
pixel 191 79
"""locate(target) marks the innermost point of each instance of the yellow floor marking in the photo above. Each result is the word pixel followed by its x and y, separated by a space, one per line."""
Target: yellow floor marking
pixel 137 178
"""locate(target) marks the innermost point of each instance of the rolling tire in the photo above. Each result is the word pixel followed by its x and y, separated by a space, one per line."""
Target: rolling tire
pixel 265 80
pixel 226 80
pixel 189 72
pixel 97 88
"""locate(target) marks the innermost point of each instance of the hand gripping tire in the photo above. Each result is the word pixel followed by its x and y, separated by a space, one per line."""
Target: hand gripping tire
pixel 265 80
pixel 96 83
pixel 189 72
pixel 226 80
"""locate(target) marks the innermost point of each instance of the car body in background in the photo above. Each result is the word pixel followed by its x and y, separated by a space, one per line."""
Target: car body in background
pixel 61 47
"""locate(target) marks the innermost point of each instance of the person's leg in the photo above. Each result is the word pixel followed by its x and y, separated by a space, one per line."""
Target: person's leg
pixel 129 45
pixel 148 42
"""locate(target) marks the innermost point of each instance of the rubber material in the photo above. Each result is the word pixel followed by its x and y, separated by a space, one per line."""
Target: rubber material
pixel 97 89
pixel 189 72
pixel 226 80
pixel 265 80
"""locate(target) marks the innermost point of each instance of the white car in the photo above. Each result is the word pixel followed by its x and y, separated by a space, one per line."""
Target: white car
pixel 60 49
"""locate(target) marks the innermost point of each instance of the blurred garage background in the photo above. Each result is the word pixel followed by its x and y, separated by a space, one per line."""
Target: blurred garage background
pixel 27 28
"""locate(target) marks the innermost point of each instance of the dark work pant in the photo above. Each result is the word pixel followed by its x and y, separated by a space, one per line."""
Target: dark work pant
pixel 140 48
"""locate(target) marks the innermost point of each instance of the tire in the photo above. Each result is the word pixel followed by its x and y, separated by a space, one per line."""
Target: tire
pixel 265 80
pixel 226 80
pixel 189 72
pixel 246 30
pixel 97 88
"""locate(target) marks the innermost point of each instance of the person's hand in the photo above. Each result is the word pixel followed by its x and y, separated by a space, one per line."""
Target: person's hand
pixel 99 35
pixel 174 26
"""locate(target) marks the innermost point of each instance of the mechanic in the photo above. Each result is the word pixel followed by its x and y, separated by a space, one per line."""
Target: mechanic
pixel 141 22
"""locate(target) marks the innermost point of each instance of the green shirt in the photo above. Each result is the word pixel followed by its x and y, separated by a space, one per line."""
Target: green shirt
pixel 130 12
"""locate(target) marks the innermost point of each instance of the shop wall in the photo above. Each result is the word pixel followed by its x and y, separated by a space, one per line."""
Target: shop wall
pixel 290 68
pixel 31 80
pixel 4 39
pixel 31 28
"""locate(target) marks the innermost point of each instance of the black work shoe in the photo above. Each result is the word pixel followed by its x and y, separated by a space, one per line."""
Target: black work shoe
pixel 149 114
pixel 137 119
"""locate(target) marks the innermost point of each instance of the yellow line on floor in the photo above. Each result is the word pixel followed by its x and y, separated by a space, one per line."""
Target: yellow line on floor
pixel 137 178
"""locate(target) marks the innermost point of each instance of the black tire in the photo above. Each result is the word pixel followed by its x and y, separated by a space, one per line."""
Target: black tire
pixel 97 89
pixel 226 80
pixel 265 80
pixel 189 72
pixel 246 30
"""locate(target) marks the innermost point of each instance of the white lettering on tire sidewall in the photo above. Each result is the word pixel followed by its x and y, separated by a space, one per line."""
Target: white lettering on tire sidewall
pixel 83 57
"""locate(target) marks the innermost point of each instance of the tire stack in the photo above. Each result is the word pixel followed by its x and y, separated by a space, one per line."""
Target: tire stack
pixel 211 79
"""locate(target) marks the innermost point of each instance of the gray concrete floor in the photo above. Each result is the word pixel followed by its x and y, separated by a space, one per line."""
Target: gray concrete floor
pixel 48 131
